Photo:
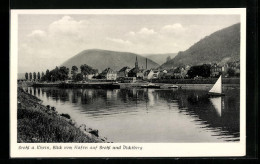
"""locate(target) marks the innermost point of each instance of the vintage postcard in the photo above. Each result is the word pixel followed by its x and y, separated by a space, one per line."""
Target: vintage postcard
pixel 128 83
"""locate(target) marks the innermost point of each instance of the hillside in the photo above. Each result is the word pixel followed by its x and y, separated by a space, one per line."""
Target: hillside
pixel 220 47
pixel 160 58
pixel 21 75
pixel 102 59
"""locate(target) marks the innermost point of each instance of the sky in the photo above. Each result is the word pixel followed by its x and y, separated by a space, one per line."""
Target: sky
pixel 46 41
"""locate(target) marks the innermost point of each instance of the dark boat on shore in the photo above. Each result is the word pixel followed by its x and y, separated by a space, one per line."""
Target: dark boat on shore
pixel 150 85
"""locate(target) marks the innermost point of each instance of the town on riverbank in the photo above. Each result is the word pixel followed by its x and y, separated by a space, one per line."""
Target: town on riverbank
pixel 89 77
pixel 39 123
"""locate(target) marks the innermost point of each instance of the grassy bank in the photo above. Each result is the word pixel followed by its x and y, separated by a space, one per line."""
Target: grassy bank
pixel 39 123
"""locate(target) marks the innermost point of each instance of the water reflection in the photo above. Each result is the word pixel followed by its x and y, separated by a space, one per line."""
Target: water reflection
pixel 218 117
pixel 217 103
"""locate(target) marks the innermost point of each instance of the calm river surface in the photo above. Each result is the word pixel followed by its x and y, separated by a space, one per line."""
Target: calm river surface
pixel 150 115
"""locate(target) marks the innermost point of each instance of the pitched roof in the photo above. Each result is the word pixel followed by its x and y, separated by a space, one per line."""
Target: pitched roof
pixel 107 70
pixel 134 70
pixel 124 69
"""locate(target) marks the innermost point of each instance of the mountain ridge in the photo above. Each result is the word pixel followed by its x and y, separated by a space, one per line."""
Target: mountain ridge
pixel 102 59
pixel 221 46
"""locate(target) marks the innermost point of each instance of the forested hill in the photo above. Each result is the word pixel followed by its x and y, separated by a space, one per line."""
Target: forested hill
pixel 102 59
pixel 220 47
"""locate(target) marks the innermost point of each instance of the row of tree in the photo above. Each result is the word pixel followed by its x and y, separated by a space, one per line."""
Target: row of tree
pixel 33 76
pixel 62 73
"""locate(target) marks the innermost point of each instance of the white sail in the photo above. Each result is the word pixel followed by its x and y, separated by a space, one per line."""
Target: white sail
pixel 217 88
pixel 216 101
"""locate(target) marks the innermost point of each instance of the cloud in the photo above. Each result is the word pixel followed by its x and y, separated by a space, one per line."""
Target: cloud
pixel 176 28
pixel 67 25
pixel 37 33
pixel 146 31
pixel 62 39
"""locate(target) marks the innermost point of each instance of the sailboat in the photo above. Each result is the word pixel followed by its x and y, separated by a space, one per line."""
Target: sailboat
pixel 216 90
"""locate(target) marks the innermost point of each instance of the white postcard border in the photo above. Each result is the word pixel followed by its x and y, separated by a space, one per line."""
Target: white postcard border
pixel 148 149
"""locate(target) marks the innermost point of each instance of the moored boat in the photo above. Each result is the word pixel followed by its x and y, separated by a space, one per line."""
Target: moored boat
pixel 150 85
pixel 173 86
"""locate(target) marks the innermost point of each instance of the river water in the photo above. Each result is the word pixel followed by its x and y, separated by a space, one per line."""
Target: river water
pixel 150 115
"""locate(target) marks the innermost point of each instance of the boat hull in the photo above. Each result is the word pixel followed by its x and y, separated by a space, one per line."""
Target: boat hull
pixel 150 86
pixel 173 87
pixel 215 94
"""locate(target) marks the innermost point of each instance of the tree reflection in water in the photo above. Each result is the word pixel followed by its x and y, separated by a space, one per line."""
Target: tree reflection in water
pixel 219 115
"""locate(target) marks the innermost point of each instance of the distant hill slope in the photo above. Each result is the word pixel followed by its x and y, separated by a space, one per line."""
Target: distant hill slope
pixel 220 47
pixel 21 75
pixel 102 59
pixel 160 58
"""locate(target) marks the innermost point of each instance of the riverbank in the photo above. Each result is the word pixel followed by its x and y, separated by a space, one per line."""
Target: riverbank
pixel 228 83
pixel 39 123
pixel 197 81
pixel 95 85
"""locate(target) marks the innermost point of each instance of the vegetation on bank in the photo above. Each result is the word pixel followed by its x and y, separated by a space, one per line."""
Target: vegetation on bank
pixel 39 123
pixel 62 74
pixel 197 81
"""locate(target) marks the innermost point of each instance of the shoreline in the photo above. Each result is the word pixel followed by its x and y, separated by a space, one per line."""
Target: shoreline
pixel 164 83
pixel 37 123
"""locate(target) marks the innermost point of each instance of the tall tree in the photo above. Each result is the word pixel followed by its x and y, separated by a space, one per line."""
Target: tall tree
pixel 26 76
pixel 74 71
pixel 47 75
pixel 34 75
pixel 78 77
pixel 30 75
pixel 47 72
pixel 42 74
pixel 38 76
pixel 86 70
pixel 63 73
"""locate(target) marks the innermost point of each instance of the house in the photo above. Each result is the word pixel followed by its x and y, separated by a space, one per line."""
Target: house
pixel 109 74
pixel 177 73
pixel 151 74
pixel 148 74
pixel 216 70
pixel 140 74
pixel 156 74
pixel 136 72
pixel 123 72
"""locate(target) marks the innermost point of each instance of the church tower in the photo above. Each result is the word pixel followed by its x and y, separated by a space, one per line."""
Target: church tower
pixel 136 63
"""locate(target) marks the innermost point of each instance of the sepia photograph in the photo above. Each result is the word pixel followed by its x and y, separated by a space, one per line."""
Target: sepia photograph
pixel 128 79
